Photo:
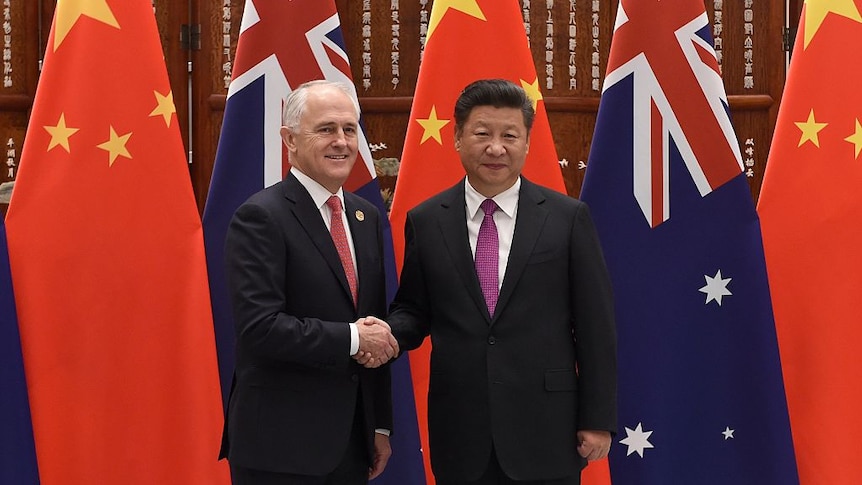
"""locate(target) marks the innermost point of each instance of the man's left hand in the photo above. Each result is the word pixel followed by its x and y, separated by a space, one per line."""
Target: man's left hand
pixel 382 452
pixel 594 445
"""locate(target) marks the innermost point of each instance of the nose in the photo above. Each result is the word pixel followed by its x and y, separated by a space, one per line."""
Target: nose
pixel 495 148
pixel 339 137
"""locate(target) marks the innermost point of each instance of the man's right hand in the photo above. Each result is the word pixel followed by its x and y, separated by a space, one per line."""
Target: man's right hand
pixel 376 343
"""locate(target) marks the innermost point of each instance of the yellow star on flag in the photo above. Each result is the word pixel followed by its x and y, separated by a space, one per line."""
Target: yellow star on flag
pixel 68 13
pixel 533 91
pixel 60 134
pixel 432 126
pixel 116 146
pixel 441 7
pixel 810 129
pixel 165 106
pixel 856 138
pixel 817 10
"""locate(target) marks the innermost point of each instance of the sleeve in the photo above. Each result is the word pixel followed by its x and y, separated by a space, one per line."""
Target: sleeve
pixel 594 327
pixel 383 392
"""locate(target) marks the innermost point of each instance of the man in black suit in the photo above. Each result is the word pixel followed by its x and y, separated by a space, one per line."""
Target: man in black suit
pixel 523 362
pixel 304 263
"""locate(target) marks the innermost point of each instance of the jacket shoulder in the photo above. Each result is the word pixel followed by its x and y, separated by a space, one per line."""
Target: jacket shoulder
pixel 267 196
pixel 446 198
pixel 557 199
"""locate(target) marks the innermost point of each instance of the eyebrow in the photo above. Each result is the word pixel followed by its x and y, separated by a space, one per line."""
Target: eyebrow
pixel 513 127
pixel 335 123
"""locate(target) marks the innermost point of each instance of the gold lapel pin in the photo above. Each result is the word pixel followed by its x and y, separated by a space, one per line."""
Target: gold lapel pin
pixel 360 216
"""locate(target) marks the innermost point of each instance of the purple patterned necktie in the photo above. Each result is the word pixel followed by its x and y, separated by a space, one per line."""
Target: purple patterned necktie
pixel 488 256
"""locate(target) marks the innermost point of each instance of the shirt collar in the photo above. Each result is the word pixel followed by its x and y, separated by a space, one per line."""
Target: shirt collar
pixel 319 193
pixel 506 200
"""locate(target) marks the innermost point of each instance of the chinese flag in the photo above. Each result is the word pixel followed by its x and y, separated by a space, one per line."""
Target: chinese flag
pixel 107 260
pixel 811 208
pixel 467 40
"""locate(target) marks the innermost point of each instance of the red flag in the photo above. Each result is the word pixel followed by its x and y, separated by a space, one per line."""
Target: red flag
pixel 107 260
pixel 810 208
pixel 467 40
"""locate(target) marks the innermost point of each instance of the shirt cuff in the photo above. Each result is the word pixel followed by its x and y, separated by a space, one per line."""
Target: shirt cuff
pixel 384 432
pixel 354 339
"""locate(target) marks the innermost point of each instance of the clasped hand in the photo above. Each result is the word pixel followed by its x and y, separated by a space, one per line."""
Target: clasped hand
pixel 377 345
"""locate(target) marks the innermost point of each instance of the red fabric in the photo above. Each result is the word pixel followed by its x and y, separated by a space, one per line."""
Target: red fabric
pixel 468 40
pixel 107 258
pixel 810 208
pixel 339 237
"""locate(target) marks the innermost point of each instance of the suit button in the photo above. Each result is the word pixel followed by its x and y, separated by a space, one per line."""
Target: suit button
pixel 491 340
pixel 354 378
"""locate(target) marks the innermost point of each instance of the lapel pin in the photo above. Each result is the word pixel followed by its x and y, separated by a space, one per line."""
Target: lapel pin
pixel 360 216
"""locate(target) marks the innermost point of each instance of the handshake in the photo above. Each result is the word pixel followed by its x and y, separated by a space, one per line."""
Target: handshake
pixel 377 345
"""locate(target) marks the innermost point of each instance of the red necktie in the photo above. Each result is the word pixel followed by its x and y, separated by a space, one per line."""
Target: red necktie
pixel 339 237
pixel 488 256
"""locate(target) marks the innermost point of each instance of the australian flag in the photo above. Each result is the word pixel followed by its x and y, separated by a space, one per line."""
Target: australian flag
pixel 283 44
pixel 17 449
pixel 701 397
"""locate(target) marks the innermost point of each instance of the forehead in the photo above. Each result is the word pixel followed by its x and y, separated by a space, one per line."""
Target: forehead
pixel 328 104
pixel 509 118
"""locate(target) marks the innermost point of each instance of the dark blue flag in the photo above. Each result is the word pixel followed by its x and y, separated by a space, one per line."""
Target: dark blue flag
pixel 17 451
pixel 282 45
pixel 701 397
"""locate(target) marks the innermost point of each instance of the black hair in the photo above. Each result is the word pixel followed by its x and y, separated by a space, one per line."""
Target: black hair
pixel 499 93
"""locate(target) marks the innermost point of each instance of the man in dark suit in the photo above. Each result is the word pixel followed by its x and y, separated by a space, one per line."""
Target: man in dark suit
pixel 523 362
pixel 304 262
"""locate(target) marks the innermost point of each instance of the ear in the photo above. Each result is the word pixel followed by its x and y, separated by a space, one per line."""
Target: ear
pixel 289 138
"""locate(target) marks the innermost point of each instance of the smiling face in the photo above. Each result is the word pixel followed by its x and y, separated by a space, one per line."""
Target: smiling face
pixel 493 145
pixel 324 145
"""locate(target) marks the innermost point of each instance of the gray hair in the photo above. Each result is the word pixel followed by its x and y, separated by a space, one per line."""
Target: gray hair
pixel 295 103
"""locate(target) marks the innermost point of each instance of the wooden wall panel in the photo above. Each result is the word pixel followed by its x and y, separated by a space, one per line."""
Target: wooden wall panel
pixel 219 22
pixel 753 69
pixel 573 134
pixel 572 102
pixel 22 37
pixel 353 15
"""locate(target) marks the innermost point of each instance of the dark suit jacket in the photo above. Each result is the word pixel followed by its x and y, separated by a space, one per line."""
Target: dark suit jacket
pixel 542 368
pixel 295 386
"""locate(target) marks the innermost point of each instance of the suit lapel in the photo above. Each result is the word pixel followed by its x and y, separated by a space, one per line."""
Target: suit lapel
pixel 308 215
pixel 453 226
pixel 528 226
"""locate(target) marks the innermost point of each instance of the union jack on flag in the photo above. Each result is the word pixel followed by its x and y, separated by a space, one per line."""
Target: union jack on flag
pixel 283 44
pixel 678 95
